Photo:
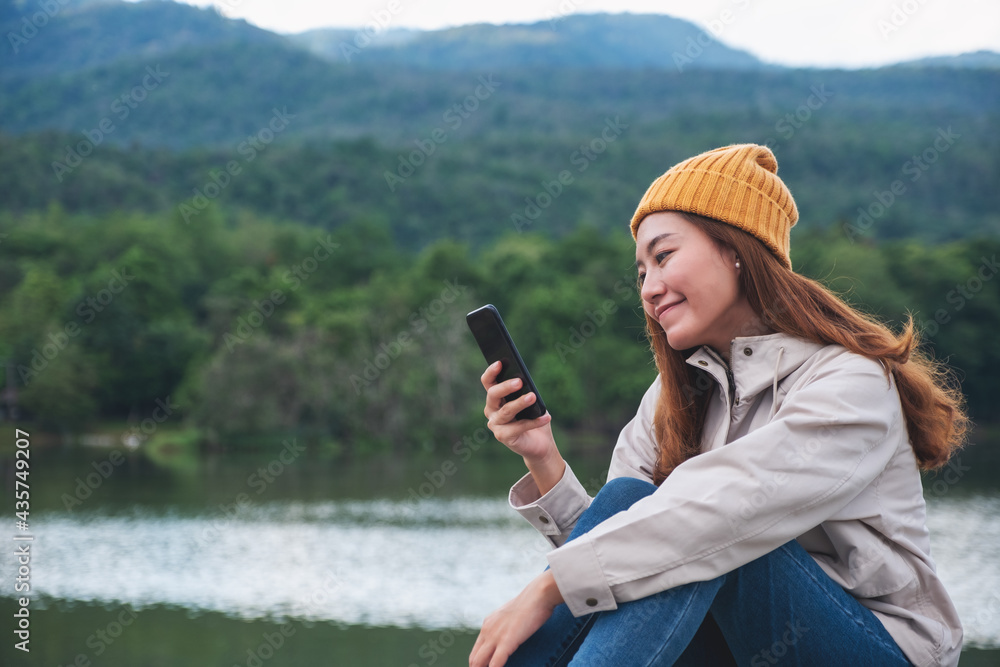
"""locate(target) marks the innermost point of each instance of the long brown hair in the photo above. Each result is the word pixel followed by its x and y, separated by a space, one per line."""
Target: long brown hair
pixel 787 302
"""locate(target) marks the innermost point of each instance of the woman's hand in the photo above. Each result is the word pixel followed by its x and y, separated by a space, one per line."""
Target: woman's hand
pixel 510 625
pixel 531 438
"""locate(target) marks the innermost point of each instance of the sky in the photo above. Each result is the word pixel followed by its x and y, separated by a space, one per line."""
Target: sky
pixel 805 33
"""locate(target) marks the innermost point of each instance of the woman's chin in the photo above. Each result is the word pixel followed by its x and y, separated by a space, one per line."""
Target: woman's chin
pixel 678 341
pixel 677 338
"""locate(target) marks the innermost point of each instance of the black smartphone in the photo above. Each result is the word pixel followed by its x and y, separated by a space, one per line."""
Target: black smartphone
pixel 497 345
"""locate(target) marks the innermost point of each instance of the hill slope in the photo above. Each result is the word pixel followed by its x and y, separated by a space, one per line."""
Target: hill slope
pixel 972 60
pixel 81 35
pixel 457 152
pixel 608 41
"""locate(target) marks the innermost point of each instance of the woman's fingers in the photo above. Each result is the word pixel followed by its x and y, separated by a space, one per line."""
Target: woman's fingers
pixel 496 393
pixel 499 658
pixel 506 415
pixel 489 376
pixel 480 655
pixel 512 624
pixel 501 411
pixel 485 649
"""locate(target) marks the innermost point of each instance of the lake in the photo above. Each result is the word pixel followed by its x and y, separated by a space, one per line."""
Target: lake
pixel 234 560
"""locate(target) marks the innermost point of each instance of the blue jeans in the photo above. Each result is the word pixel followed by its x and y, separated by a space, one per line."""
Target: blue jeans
pixel 779 609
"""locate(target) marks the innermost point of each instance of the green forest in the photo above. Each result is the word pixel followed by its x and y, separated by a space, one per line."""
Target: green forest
pixel 210 227
pixel 244 330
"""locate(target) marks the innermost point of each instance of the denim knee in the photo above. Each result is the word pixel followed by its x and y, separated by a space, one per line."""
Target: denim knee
pixel 616 496
pixel 621 493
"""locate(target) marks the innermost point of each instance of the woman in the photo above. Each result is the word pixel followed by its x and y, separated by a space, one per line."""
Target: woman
pixel 765 503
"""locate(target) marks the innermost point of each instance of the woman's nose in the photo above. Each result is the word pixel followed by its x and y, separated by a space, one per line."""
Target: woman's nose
pixel 651 287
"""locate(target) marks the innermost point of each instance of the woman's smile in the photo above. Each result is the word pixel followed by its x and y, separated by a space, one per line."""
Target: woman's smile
pixel 668 308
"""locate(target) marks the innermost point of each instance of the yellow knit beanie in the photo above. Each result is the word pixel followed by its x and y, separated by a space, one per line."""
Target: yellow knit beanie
pixel 735 184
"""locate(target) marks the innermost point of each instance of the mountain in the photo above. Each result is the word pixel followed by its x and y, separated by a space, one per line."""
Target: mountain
pixel 82 34
pixel 971 60
pixel 881 154
pixel 331 43
pixel 145 102
pixel 219 80
pixel 607 41
pixel 219 94
pixel 78 35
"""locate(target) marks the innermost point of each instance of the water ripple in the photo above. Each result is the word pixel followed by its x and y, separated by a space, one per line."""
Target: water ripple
pixel 431 563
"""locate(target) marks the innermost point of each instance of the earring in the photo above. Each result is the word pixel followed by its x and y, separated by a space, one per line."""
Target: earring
pixel 737 262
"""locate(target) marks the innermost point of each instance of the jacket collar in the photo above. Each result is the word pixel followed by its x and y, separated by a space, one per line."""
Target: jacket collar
pixel 756 362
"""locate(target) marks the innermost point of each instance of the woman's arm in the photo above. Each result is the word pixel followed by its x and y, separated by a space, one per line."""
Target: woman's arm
pixel 531 438
pixel 547 471
pixel 511 625
pixel 555 512
pixel 831 437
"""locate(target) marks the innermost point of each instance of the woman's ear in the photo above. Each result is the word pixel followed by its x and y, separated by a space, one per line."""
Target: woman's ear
pixel 730 257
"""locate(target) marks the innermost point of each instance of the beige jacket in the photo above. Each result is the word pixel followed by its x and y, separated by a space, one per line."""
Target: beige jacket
pixel 802 441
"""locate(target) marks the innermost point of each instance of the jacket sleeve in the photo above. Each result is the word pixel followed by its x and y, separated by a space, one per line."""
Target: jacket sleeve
pixel 555 514
pixel 831 436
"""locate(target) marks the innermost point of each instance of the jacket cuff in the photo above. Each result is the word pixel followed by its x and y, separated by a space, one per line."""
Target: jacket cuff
pixel 555 513
pixel 580 579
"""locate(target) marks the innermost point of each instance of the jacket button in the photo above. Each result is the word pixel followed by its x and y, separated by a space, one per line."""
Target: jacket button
pixel 702 362
pixel 747 351
pixel 543 519
pixel 591 602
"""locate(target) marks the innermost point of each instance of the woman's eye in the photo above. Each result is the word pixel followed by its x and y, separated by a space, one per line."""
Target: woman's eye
pixel 660 256
pixel 642 278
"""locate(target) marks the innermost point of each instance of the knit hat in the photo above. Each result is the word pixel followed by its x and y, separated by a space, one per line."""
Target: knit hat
pixel 735 184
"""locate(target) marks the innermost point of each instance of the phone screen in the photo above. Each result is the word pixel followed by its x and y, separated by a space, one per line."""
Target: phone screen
pixel 496 345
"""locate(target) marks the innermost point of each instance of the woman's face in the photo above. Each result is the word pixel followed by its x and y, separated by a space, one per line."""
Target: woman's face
pixel 689 284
